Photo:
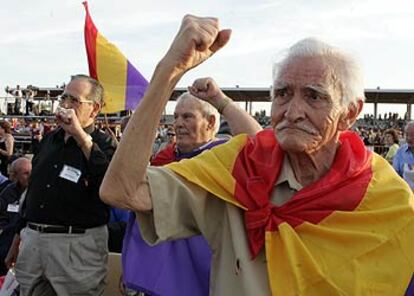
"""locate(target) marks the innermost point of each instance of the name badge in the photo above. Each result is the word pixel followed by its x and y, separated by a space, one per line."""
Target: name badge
pixel 70 173
pixel 12 208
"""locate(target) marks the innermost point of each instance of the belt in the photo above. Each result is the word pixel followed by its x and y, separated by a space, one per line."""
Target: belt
pixel 55 228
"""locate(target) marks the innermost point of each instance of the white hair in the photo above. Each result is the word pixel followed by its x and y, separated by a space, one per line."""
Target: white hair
pixel 345 67
pixel 206 109
pixel 410 123
pixel 18 163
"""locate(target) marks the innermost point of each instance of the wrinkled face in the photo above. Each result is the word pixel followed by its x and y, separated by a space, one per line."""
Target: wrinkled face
pixel 306 111
pixel 192 128
pixel 23 174
pixel 409 136
pixel 76 97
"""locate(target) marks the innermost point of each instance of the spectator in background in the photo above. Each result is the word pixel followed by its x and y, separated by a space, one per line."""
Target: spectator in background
pixel 64 247
pixel 6 146
pixel 29 100
pixel 18 96
pixel 170 140
pixel 403 161
pixel 391 140
pixel 36 137
pixel 20 170
pixel 4 181
pixel 163 130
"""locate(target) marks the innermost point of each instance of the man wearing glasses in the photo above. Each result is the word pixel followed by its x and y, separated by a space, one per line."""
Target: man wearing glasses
pixel 64 244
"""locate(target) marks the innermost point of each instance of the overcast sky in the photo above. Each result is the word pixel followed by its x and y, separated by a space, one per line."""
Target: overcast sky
pixel 41 42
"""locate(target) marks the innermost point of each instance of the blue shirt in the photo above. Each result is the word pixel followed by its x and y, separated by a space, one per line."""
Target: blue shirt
pixel 118 215
pixel 2 178
pixel 403 163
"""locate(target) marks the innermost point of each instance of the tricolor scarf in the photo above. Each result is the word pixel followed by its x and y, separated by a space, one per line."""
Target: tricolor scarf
pixel 349 233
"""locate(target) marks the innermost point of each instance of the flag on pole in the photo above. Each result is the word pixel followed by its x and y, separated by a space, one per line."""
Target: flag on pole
pixel 124 85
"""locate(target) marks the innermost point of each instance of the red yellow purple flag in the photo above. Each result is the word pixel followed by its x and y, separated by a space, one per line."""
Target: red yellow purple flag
pixel 349 233
pixel 124 85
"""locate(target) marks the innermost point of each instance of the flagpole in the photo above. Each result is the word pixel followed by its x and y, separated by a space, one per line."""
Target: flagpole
pixel 111 133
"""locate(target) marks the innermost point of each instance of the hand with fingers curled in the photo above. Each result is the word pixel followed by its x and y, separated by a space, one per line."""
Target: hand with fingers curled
pixel 68 120
pixel 62 115
pixel 197 39
pixel 207 89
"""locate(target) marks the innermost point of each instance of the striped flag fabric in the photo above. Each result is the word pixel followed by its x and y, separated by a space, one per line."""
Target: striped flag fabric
pixel 123 83
pixel 349 233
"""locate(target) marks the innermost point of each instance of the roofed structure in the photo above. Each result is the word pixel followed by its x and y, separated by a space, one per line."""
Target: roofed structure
pixel 251 94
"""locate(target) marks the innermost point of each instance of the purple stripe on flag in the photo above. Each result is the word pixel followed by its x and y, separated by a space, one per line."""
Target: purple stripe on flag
pixel 135 88
pixel 410 290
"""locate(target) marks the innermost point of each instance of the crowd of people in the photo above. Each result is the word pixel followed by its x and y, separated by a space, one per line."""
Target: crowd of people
pixel 27 133
pixel 293 209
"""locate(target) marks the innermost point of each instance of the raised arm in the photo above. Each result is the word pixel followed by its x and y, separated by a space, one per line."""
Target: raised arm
pixel 239 120
pixel 125 183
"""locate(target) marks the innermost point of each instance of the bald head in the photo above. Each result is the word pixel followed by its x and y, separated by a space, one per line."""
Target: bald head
pixel 196 122
pixel 20 171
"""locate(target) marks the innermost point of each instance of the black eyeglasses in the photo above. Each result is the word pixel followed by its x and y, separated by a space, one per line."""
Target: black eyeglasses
pixel 64 98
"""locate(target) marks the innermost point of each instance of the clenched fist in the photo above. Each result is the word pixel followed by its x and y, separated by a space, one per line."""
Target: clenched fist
pixel 197 39
pixel 207 90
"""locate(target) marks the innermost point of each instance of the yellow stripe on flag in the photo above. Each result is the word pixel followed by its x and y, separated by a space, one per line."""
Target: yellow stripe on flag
pixel 217 165
pixel 344 252
pixel 112 73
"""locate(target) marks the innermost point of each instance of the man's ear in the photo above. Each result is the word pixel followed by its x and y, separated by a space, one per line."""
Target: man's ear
pixel 349 117
pixel 211 122
pixel 96 109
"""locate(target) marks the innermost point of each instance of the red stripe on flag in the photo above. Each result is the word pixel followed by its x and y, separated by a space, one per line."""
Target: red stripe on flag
pixel 90 42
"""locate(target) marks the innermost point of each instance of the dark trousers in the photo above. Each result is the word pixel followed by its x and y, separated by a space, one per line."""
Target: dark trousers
pixel 6 239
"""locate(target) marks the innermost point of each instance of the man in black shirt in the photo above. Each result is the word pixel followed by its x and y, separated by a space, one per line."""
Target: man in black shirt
pixel 64 245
